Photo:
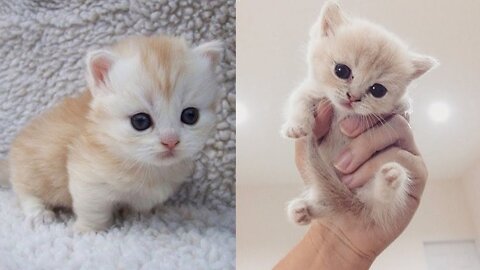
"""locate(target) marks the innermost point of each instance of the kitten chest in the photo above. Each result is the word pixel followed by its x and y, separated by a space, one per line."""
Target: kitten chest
pixel 146 191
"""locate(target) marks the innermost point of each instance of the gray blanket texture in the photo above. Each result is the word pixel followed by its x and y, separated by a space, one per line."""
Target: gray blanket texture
pixel 42 49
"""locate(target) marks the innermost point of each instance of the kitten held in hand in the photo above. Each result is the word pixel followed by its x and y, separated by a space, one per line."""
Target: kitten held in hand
pixel 362 70
pixel 128 141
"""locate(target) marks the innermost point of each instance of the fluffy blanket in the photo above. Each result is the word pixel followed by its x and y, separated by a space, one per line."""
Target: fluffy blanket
pixel 170 238
pixel 42 48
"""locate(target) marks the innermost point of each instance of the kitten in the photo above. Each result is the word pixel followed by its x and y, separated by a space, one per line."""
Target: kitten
pixel 361 69
pixel 128 141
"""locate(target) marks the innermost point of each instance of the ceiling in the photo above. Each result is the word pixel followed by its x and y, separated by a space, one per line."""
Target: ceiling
pixel 271 41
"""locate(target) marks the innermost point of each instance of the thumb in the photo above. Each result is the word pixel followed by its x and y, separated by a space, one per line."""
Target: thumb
pixel 323 119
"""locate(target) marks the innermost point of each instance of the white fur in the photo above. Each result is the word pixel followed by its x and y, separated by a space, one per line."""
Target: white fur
pixel 35 210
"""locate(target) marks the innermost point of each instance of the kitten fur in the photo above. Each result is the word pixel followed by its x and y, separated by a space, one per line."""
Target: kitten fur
pixel 374 56
pixel 84 154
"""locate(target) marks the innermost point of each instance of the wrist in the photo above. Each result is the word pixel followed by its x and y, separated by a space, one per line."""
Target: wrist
pixel 334 250
pixel 324 248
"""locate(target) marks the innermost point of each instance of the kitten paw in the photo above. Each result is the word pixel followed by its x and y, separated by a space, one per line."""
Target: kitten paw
pixel 294 131
pixel 386 195
pixel 302 216
pixel 392 174
pixel 299 212
pixel 85 227
pixel 40 217
pixel 79 227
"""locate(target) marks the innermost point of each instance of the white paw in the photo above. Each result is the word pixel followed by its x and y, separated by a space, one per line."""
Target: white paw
pixel 389 186
pixel 40 217
pixel 83 227
pixel 299 212
pixel 79 227
pixel 393 174
pixel 294 131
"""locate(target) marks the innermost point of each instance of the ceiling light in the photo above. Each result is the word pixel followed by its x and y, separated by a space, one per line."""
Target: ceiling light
pixel 439 111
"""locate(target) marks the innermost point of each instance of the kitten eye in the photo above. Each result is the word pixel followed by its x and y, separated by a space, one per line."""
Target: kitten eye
pixel 343 71
pixel 141 121
pixel 190 116
pixel 377 90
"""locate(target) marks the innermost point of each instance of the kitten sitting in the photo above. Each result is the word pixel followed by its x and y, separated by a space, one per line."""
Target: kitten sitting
pixel 129 140
pixel 361 69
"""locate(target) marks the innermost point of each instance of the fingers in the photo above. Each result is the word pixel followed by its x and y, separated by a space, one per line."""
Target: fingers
pixel 395 131
pixel 356 125
pixel 407 142
pixel 323 119
pixel 414 165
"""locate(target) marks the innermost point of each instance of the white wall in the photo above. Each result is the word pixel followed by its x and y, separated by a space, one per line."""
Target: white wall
pixel 471 185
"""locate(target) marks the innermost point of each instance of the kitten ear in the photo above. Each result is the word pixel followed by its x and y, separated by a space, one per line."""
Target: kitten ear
pixel 421 64
pixel 212 51
pixel 331 17
pixel 99 63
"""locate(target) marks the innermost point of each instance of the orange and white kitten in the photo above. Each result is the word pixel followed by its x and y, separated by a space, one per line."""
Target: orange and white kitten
pixel 361 69
pixel 129 141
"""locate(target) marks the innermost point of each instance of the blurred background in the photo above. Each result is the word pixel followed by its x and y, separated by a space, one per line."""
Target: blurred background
pixel 271 39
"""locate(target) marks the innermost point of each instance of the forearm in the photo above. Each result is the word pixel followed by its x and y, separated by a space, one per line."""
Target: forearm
pixel 323 248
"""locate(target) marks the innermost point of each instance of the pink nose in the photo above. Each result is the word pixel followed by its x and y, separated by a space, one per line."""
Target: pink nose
pixel 170 142
pixel 352 98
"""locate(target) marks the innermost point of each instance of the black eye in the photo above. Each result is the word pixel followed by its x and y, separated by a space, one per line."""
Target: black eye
pixel 343 71
pixel 377 90
pixel 190 115
pixel 141 121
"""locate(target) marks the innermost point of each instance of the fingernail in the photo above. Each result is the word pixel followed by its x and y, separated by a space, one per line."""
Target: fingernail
pixel 347 179
pixel 342 162
pixel 349 125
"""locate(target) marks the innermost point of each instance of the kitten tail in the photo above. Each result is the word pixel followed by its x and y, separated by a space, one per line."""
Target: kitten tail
pixel 325 179
pixel 4 174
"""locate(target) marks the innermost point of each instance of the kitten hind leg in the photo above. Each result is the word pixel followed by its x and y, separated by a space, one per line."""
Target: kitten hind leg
pixel 303 209
pixel 386 195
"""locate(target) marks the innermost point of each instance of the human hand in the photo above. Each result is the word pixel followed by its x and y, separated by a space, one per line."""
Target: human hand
pixel 372 146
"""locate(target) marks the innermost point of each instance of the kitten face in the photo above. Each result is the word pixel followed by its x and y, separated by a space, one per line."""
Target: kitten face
pixel 156 102
pixel 362 68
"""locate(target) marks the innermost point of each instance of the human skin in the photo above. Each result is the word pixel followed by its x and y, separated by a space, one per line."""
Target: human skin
pixel 343 242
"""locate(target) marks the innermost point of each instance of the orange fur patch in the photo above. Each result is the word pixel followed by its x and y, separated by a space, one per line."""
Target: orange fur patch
pixel 164 59
pixel 38 155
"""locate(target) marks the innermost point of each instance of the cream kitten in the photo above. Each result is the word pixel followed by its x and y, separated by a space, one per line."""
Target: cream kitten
pixel 362 70
pixel 128 141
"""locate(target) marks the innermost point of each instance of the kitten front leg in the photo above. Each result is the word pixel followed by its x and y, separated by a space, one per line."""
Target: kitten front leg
pixel 308 206
pixel 91 205
pixel 92 217
pixel 300 113
pixel 36 212
pixel 385 196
